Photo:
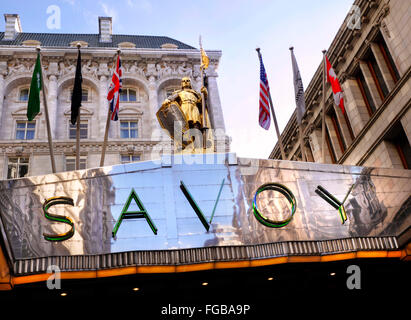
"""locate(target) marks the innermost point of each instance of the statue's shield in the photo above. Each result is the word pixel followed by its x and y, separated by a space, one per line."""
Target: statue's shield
pixel 174 122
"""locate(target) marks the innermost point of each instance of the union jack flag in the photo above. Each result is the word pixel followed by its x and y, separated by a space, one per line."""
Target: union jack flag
pixel 114 90
pixel 264 114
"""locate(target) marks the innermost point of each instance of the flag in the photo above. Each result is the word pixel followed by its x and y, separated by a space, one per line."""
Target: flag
pixel 298 89
pixel 264 110
pixel 77 91
pixel 204 59
pixel 114 90
pixel 33 106
pixel 335 85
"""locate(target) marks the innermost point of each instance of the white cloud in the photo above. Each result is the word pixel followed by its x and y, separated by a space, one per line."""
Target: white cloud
pixel 70 2
pixel 109 11
pixel 143 5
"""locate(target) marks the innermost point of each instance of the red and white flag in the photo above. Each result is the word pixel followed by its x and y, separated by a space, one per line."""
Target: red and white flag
pixel 335 85
pixel 114 90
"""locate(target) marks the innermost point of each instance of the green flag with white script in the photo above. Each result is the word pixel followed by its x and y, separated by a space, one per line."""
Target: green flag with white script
pixel 33 107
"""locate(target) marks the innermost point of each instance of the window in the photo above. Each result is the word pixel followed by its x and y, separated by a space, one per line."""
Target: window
pixel 25 130
pixel 129 158
pixel 337 130
pixel 83 130
pixel 396 135
pixel 308 152
pixel 84 95
pixel 24 95
pixel 377 75
pixel 387 57
pixel 71 163
pixel 365 92
pixel 17 167
pixel 128 95
pixel 330 147
pixel 128 129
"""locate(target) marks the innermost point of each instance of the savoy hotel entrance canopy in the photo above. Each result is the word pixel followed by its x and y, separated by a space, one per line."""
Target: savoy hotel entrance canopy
pixel 199 212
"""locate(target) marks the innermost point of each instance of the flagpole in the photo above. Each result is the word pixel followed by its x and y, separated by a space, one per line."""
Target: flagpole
pixel 46 114
pixel 323 113
pixel 78 130
pixel 300 129
pixel 204 128
pixel 103 151
pixel 299 120
pixel 280 142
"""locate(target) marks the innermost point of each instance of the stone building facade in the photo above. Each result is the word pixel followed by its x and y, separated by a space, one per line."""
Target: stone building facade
pixel 371 55
pixel 152 68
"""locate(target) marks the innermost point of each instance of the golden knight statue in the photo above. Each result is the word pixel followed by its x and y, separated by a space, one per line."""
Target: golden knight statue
pixel 190 102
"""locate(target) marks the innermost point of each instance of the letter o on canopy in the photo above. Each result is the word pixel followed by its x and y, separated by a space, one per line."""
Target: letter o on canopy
pixel 285 192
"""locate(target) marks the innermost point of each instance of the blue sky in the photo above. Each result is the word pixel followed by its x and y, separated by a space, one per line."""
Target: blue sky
pixel 236 27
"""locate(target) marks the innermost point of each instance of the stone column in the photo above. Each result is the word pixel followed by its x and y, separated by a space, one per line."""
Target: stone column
pixel 406 124
pixel 153 107
pixel 1 96
pixel 355 107
pixel 3 73
pixel 369 80
pixel 214 103
pixel 101 112
pixel 389 81
pixel 315 143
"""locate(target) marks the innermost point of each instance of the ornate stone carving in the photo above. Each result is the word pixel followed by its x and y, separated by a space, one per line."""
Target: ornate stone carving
pixel 19 66
pixel 90 67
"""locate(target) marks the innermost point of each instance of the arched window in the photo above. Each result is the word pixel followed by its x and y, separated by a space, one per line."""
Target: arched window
pixel 24 95
pixel 128 95
pixel 85 96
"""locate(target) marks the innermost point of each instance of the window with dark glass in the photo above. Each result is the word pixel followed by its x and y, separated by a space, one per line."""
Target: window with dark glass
pixel 337 129
pixel 83 130
pixel 376 74
pixel 397 136
pixel 330 147
pixel 24 95
pixel 25 130
pixel 129 158
pixel 309 153
pixel 17 167
pixel 71 163
pixel 365 92
pixel 128 95
pixel 128 129
pixel 387 57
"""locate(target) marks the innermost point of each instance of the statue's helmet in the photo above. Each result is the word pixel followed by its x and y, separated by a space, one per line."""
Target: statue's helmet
pixel 186 83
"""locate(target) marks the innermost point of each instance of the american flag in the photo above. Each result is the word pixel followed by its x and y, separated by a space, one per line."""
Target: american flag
pixel 114 90
pixel 264 114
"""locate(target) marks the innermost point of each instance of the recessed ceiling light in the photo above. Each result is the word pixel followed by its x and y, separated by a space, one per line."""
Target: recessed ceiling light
pixel 63 294
pixel 136 289
pixel 270 278
pixel 332 274
pixel 204 284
